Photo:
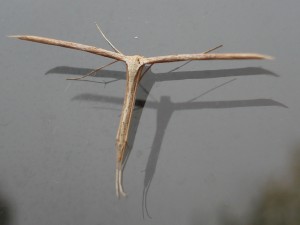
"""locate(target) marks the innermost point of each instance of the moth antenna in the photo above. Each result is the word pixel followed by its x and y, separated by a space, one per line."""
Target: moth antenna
pixel 111 45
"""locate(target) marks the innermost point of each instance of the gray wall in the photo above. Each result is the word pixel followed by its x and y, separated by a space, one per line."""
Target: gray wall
pixel 212 143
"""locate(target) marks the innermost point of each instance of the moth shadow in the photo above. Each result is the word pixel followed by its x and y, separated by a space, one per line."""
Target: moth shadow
pixel 6 211
pixel 165 107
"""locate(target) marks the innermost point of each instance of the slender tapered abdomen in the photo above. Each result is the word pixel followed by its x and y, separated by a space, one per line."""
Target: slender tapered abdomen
pixel 133 75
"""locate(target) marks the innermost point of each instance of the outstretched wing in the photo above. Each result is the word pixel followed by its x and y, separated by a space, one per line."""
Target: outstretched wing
pixel 205 56
pixel 67 44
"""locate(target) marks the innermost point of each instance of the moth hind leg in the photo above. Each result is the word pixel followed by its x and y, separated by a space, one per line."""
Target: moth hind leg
pixel 119 169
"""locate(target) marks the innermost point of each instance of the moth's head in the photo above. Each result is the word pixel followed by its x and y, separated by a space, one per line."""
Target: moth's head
pixel 137 60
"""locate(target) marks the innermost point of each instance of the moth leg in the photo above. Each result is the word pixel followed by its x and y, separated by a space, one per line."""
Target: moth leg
pixel 116 182
pixel 92 73
pixel 121 190
pixel 120 147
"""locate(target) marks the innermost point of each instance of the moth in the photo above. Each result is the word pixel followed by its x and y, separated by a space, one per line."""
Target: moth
pixel 135 70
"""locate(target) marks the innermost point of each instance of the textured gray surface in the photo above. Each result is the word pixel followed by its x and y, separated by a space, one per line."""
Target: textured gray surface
pixel 201 159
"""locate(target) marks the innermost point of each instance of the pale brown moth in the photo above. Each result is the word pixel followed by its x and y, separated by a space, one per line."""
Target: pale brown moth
pixel 134 72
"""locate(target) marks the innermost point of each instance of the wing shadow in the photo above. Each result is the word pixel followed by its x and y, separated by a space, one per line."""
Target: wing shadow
pixel 165 107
